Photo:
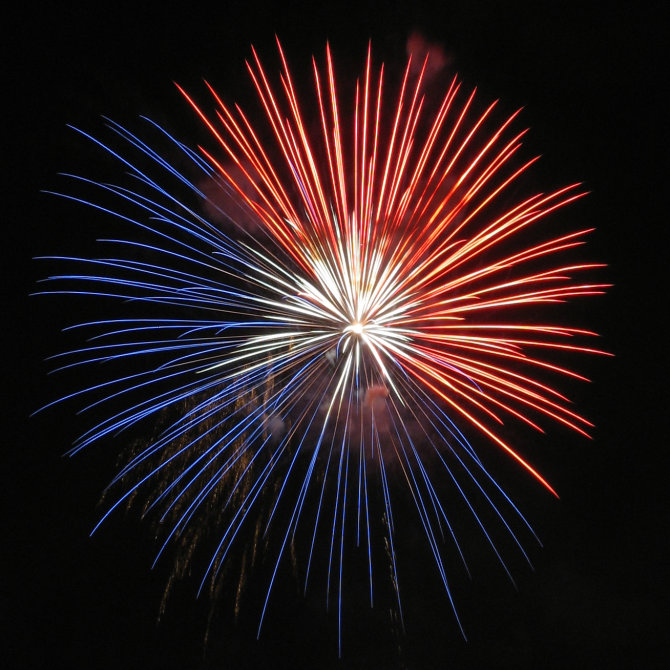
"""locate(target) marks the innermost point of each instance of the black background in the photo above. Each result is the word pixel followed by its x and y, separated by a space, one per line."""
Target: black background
pixel 591 80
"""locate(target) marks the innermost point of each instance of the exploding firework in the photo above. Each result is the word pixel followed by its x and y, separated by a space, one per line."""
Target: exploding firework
pixel 316 310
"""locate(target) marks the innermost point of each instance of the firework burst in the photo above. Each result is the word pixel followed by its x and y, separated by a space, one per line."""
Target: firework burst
pixel 317 307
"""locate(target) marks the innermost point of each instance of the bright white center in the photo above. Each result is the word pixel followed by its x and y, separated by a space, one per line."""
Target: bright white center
pixel 356 328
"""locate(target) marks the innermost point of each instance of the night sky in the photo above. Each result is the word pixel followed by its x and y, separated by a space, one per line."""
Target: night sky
pixel 591 82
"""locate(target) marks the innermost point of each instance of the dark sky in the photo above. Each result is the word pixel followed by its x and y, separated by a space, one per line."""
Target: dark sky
pixel 591 83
